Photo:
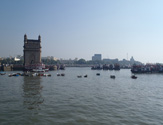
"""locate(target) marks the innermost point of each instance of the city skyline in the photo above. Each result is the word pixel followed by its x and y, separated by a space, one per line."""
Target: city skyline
pixel 69 29
pixel 95 57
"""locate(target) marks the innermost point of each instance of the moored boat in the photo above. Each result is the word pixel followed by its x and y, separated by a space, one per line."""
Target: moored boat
pixel 116 67
pixel 97 67
pixel 62 74
pixel 134 77
pixel 46 69
pixel 148 68
pixel 2 73
pixel 58 74
pixel 35 74
pixel 112 76
pixel 85 76
pixel 38 70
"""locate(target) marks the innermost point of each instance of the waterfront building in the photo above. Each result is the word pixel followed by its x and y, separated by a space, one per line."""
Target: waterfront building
pixel 16 59
pixel 132 59
pixel 97 57
pixel 111 61
pixel 32 52
pixel 50 58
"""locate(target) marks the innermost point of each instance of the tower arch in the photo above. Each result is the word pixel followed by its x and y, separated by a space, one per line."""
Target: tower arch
pixel 32 51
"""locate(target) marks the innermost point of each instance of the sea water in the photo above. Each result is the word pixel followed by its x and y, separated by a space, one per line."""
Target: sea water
pixel 69 100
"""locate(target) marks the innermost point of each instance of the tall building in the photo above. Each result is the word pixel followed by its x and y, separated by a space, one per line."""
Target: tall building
pixel 32 51
pixel 132 59
pixel 96 57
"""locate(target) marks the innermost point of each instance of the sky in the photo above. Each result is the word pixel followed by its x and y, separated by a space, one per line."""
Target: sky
pixel 81 28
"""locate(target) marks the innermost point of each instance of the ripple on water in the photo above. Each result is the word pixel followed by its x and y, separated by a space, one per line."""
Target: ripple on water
pixel 90 101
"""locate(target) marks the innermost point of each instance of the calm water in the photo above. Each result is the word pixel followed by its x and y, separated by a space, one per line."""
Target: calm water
pixel 68 100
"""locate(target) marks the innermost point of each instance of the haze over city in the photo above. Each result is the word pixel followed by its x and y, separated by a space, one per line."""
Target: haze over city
pixel 81 28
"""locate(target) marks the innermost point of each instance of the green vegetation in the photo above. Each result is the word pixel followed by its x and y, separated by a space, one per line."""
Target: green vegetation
pixel 71 62
pixel 11 61
pixel 50 61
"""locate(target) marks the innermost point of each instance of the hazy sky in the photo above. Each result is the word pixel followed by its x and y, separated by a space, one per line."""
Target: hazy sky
pixel 82 28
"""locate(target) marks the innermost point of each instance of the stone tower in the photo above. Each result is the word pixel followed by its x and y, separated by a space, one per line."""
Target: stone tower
pixel 32 51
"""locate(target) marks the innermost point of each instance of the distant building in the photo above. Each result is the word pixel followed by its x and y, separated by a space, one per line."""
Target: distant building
pixel 32 51
pixel 76 59
pixel 20 57
pixel 132 60
pixel 50 58
pixel 96 57
pixel 16 59
pixel 110 61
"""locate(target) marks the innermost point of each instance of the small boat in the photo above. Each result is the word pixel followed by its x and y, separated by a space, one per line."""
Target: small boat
pixel 62 67
pixel 79 76
pixel 14 74
pixel 85 76
pixel 58 74
pixel 10 75
pixel 35 74
pixel 19 74
pixel 49 75
pixel 22 74
pixel 98 67
pixel 45 75
pixel 46 69
pixel 98 74
pixel 41 75
pixel 134 77
pixel 38 70
pixel 62 74
pixel 2 73
pixel 112 76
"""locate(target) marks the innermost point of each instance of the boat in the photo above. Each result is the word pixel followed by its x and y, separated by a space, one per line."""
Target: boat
pixel 14 74
pixel 45 75
pixel 79 76
pixel 46 69
pixel 41 75
pixel 134 77
pixel 116 66
pixel 49 75
pixel 2 73
pixel 111 67
pixel 105 67
pixel 85 76
pixel 112 76
pixel 10 75
pixel 62 67
pixel 35 74
pixel 62 74
pixel 148 68
pixel 98 74
pixel 19 74
pixel 58 74
pixel 97 67
pixel 35 67
pixel 38 70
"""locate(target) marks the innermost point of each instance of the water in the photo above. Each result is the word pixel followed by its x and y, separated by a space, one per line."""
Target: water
pixel 68 100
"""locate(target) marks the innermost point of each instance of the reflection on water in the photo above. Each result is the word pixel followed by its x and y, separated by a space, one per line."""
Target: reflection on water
pixel 32 92
pixel 95 100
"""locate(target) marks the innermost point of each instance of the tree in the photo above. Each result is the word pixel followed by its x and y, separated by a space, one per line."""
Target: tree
pixel 81 61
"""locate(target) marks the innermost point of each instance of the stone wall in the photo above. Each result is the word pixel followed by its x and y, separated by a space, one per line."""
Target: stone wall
pixel 32 51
